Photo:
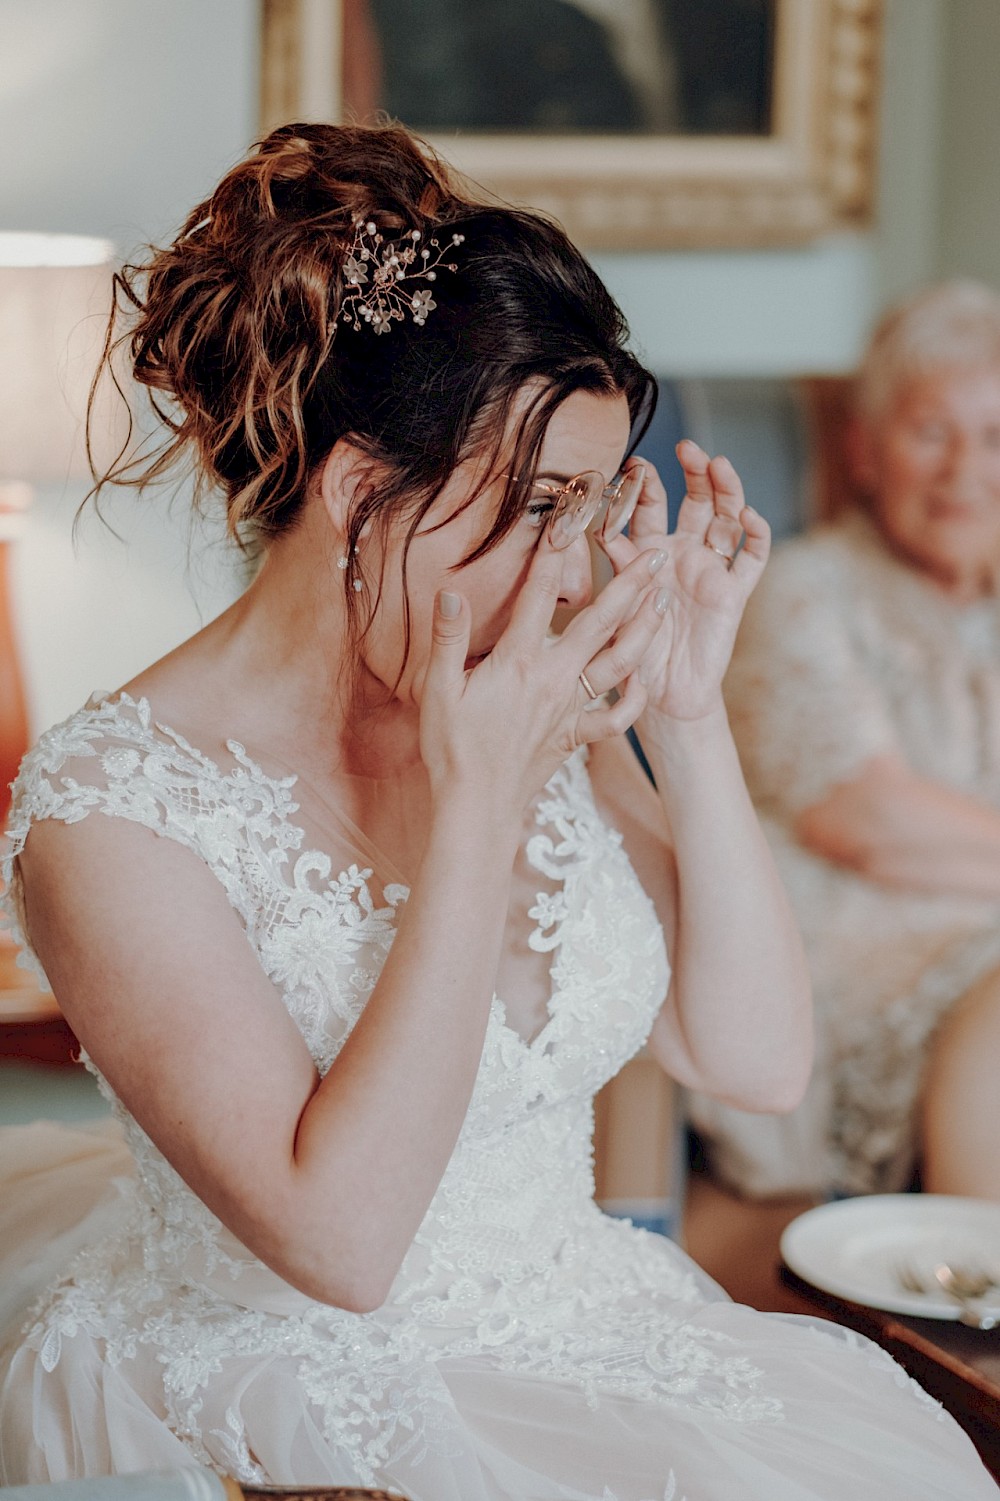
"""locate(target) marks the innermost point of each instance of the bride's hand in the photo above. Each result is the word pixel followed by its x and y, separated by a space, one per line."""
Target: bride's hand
pixel 708 573
pixel 503 727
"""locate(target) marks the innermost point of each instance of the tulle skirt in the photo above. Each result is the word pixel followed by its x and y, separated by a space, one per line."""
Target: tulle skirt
pixel 846 1423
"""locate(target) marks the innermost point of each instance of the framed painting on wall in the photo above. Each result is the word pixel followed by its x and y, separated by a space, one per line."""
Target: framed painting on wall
pixel 639 124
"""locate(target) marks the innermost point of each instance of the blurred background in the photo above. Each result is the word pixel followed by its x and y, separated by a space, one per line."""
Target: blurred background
pixel 119 115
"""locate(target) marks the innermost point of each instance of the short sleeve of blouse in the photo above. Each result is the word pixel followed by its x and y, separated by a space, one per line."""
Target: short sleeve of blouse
pixel 805 710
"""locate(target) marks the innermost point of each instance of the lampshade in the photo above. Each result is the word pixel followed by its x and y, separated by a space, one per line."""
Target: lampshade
pixel 55 294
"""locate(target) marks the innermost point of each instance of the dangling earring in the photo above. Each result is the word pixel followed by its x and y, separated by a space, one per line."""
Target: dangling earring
pixel 344 562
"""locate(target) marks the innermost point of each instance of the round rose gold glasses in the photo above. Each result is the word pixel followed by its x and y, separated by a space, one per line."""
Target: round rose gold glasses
pixel 577 501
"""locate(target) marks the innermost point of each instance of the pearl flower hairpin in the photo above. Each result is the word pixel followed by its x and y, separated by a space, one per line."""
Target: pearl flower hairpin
pixel 374 269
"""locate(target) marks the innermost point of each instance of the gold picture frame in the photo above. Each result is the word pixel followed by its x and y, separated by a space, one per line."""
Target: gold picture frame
pixel 814 172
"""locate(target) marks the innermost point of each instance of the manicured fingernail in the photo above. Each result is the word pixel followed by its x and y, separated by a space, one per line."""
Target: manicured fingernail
pixel 449 605
pixel 593 704
pixel 661 601
pixel 657 561
pixel 645 674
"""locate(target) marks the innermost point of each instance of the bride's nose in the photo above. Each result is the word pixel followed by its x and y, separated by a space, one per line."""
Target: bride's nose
pixel 577 576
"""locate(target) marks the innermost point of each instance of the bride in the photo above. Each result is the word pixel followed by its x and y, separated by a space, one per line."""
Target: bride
pixel 357 898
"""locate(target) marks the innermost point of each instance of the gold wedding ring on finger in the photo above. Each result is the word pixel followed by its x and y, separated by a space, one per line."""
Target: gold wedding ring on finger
pixel 729 551
pixel 728 558
pixel 588 687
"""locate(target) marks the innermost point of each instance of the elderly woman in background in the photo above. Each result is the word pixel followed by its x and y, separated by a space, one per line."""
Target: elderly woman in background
pixel 865 700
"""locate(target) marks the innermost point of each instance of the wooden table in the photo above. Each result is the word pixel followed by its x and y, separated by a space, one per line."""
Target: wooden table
pixel 957 1365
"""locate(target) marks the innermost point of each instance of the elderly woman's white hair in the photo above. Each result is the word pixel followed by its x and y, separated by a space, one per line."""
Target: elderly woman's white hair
pixel 952 326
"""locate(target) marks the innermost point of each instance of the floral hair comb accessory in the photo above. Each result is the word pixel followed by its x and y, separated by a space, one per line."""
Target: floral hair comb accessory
pixel 376 268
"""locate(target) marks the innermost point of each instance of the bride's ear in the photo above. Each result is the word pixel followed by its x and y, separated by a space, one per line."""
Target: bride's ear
pixel 345 469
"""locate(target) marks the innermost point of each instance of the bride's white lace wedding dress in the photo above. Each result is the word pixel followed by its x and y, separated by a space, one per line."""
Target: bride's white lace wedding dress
pixel 530 1346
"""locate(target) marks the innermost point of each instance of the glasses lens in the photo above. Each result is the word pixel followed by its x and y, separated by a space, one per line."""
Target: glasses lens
pixel 622 504
pixel 576 507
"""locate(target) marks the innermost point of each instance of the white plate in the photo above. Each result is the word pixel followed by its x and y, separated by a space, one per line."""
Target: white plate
pixel 855 1248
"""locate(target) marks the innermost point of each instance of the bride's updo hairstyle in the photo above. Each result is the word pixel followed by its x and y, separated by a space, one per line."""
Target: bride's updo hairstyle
pixel 246 335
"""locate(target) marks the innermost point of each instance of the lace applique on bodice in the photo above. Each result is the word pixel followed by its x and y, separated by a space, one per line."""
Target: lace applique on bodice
pixel 513 1263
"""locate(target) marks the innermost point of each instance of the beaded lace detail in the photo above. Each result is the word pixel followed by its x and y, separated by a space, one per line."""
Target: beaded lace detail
pixel 513 1265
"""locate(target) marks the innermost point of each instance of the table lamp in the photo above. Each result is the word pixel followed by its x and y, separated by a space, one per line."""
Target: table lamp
pixel 55 293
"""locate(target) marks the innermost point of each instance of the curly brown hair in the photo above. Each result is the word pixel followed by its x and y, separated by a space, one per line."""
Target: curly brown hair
pixel 235 330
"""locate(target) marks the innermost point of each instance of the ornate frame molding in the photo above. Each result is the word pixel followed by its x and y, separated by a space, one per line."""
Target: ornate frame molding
pixel 815 172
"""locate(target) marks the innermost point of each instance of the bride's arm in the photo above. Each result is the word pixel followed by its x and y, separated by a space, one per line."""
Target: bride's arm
pixel 326 1181
pixel 737 1020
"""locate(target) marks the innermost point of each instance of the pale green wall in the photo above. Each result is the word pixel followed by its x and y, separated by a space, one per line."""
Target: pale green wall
pixel 969 219
pixel 914 103
pixel 765 312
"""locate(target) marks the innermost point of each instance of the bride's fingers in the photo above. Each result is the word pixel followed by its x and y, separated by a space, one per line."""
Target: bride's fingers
pixel 623 656
pixel 445 672
pixel 649 518
pixel 713 503
pixel 593 627
pixel 531 617
pixel 647 529
pixel 698 506
pixel 753 554
pixel 600 720
pixel 620 551
pixel 727 489
pixel 724 532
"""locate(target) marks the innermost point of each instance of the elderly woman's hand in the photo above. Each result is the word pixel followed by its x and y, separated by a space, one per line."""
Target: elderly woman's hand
pixel 708 573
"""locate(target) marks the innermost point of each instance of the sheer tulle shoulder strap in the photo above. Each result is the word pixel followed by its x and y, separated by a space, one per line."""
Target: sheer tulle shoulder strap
pixel 111 757
pixel 99 759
